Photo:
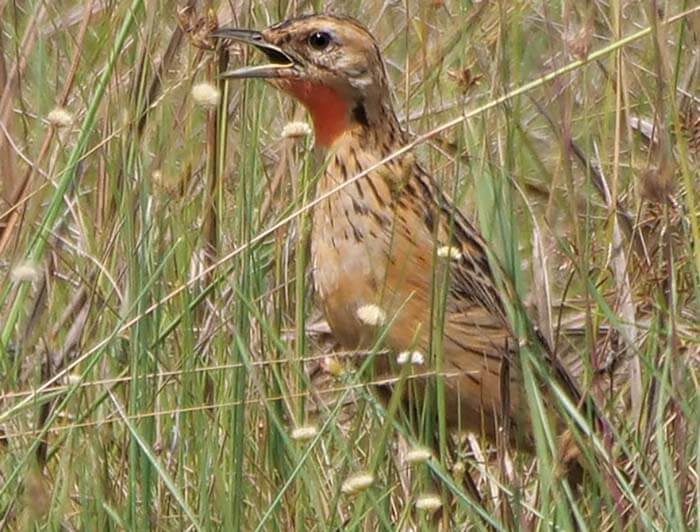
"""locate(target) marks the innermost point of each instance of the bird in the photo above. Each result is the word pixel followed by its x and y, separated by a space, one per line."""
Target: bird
pixel 391 247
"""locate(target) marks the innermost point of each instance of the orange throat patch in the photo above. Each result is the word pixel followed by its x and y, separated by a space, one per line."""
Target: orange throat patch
pixel 329 111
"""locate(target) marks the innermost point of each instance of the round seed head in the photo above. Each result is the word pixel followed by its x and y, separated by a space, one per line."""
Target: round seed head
pixel 206 94
pixel 333 366
pixel 410 357
pixel 418 455
pixel 449 252
pixel 59 117
pixel 296 130
pixel 357 483
pixel 371 315
pixel 25 272
pixel 304 433
pixel 428 502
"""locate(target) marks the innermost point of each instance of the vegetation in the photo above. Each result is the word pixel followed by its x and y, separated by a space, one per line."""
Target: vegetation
pixel 162 363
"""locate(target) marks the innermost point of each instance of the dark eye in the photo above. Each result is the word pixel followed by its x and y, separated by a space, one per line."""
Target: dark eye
pixel 319 40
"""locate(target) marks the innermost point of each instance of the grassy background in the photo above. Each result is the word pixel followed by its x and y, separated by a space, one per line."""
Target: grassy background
pixel 159 342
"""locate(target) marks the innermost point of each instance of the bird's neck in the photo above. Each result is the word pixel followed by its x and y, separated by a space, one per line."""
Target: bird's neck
pixel 329 111
pixel 360 149
pixel 368 127
pixel 335 115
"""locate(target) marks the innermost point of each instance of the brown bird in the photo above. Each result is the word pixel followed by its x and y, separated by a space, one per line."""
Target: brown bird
pixel 391 248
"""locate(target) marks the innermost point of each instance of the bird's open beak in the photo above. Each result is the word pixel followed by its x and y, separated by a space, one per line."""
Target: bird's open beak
pixel 281 65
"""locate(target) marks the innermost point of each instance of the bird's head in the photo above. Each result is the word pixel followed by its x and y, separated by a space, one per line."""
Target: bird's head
pixel 332 65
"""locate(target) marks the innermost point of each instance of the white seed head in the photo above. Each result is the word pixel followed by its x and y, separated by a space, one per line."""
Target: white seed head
pixel 25 272
pixel 206 94
pixel 73 379
pixel 428 502
pixel 59 117
pixel 304 433
pixel 371 315
pixel 357 483
pixel 332 366
pixel 418 455
pixel 410 357
pixel 296 130
pixel 449 252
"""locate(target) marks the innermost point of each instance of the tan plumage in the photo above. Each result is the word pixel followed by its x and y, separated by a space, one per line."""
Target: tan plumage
pixel 392 238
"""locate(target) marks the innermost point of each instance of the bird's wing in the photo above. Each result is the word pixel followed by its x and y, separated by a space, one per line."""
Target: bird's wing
pixel 475 302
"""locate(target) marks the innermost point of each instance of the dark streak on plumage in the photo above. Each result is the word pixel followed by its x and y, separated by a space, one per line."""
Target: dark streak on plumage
pixel 358 187
pixel 356 233
pixel 428 220
pixel 359 208
pixel 376 193
pixel 359 114
pixel 380 218
pixel 341 166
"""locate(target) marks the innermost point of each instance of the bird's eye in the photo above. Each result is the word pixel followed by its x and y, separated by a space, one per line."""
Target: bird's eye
pixel 319 40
